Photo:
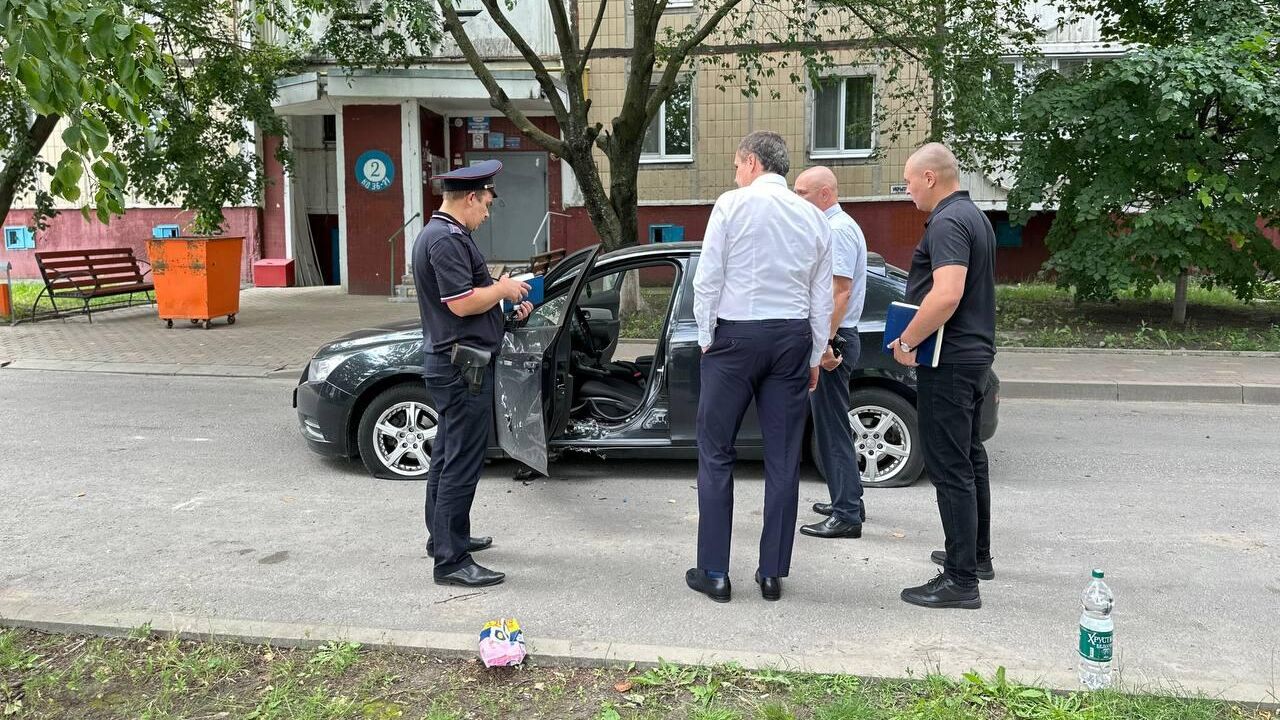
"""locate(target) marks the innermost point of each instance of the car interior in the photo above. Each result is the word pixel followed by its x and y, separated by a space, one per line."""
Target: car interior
pixel 611 376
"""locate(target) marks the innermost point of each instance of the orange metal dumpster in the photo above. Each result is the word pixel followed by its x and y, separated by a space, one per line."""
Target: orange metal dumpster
pixel 196 278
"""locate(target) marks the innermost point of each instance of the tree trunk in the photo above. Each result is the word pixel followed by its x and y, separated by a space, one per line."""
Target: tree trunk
pixel 1180 299
pixel 595 199
pixel 18 164
pixel 630 300
pixel 624 196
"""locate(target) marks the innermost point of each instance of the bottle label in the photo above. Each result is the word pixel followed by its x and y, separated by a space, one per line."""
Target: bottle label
pixel 1095 645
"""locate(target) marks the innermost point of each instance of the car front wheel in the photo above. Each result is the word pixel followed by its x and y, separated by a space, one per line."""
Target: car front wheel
pixel 885 438
pixel 397 433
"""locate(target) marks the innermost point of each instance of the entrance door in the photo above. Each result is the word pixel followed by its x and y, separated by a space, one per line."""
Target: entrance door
pixel 508 235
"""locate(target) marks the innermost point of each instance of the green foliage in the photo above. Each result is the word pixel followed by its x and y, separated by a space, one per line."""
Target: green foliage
pixel 164 100
pixel 1162 162
pixel 335 657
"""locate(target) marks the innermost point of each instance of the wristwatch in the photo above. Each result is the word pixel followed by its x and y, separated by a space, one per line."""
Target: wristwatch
pixel 903 346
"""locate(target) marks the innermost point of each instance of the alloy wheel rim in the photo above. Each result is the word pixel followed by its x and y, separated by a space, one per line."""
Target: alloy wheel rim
pixel 403 438
pixel 880 441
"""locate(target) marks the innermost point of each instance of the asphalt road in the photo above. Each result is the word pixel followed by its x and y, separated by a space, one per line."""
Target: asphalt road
pixel 197 496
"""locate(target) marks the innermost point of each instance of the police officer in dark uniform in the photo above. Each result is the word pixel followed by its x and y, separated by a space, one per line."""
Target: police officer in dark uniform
pixel 461 308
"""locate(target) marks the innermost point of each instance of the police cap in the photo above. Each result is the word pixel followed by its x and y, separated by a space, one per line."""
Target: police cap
pixel 474 177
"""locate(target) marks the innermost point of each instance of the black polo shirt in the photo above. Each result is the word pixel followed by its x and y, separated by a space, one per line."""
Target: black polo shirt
pixel 958 233
pixel 447 266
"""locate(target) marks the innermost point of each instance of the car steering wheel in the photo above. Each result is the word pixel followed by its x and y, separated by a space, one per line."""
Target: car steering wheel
pixel 584 329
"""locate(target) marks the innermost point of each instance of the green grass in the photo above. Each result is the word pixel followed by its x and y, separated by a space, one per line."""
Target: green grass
pixel 160 678
pixel 1041 315
pixel 24 292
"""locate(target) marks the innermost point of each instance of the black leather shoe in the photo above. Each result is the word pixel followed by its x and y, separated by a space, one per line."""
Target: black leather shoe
pixel 718 589
pixel 985 571
pixel 474 544
pixel 832 528
pixel 941 592
pixel 472 575
pixel 825 509
pixel 770 587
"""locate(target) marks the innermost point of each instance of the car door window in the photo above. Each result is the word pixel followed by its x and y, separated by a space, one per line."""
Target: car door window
pixel 549 313
pixel 880 292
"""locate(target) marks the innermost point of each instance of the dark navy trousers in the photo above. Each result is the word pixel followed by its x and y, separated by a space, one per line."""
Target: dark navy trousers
pixel 834 434
pixel 765 360
pixel 457 458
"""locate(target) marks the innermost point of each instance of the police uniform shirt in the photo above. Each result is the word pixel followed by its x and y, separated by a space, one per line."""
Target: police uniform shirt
pixel 447 266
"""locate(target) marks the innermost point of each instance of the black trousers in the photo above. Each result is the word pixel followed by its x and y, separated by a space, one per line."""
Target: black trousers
pixel 767 360
pixel 949 401
pixel 457 458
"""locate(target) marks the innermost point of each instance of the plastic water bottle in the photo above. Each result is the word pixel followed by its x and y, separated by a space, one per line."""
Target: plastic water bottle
pixel 1096 628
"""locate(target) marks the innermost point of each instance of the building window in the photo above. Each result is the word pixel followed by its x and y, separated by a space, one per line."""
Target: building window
pixel 844 117
pixel 669 137
pixel 1023 73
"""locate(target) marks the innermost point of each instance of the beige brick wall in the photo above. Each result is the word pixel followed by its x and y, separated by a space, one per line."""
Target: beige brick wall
pixel 722 117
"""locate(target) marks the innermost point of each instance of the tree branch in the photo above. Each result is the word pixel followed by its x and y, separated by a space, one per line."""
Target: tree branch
pixel 539 69
pixel 591 39
pixel 497 96
pixel 564 33
pixel 677 57
pixel 19 161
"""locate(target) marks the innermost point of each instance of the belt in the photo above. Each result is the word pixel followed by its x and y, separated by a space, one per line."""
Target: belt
pixel 773 321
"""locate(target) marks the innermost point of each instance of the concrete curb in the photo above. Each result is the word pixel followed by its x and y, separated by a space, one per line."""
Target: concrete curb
pixel 1011 388
pixel 1229 393
pixel 889 663
pixel 1133 351
pixel 163 369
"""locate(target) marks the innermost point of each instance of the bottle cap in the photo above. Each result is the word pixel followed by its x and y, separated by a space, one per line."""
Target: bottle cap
pixel 1097 573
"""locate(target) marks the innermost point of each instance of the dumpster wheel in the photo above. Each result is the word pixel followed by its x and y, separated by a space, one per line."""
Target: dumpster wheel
pixel 231 319
pixel 168 324
pixel 207 323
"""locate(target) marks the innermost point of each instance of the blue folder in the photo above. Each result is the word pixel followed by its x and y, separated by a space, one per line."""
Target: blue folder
pixel 899 316
pixel 535 291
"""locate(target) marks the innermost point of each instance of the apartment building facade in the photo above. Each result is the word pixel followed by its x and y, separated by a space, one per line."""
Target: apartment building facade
pixel 367 143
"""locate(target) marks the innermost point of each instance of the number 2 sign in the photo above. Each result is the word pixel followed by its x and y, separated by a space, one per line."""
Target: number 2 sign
pixel 375 171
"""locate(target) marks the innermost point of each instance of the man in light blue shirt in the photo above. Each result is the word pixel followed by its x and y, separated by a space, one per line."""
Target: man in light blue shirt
pixel 762 300
pixel 830 401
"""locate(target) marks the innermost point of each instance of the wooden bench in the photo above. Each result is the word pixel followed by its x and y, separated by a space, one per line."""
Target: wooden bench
pixel 541 263
pixel 86 275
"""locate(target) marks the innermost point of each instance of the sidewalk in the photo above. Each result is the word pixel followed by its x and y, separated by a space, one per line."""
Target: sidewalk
pixel 277 330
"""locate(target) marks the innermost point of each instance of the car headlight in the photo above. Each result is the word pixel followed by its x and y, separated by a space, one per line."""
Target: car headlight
pixel 322 366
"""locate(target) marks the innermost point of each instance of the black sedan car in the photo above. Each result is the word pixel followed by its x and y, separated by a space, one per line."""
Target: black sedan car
pixel 568 378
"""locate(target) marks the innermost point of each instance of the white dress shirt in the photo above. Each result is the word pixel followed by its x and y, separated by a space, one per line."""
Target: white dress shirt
pixel 849 260
pixel 766 255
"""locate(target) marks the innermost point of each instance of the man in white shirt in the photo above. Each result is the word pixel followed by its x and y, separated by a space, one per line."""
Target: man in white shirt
pixel 830 402
pixel 762 300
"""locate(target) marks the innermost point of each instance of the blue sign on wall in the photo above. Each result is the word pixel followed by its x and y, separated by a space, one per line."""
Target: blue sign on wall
pixel 375 171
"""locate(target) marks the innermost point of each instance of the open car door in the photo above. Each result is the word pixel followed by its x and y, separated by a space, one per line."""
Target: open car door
pixel 532 382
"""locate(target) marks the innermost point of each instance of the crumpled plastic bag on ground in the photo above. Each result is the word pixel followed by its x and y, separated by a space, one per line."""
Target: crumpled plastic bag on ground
pixel 502 643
